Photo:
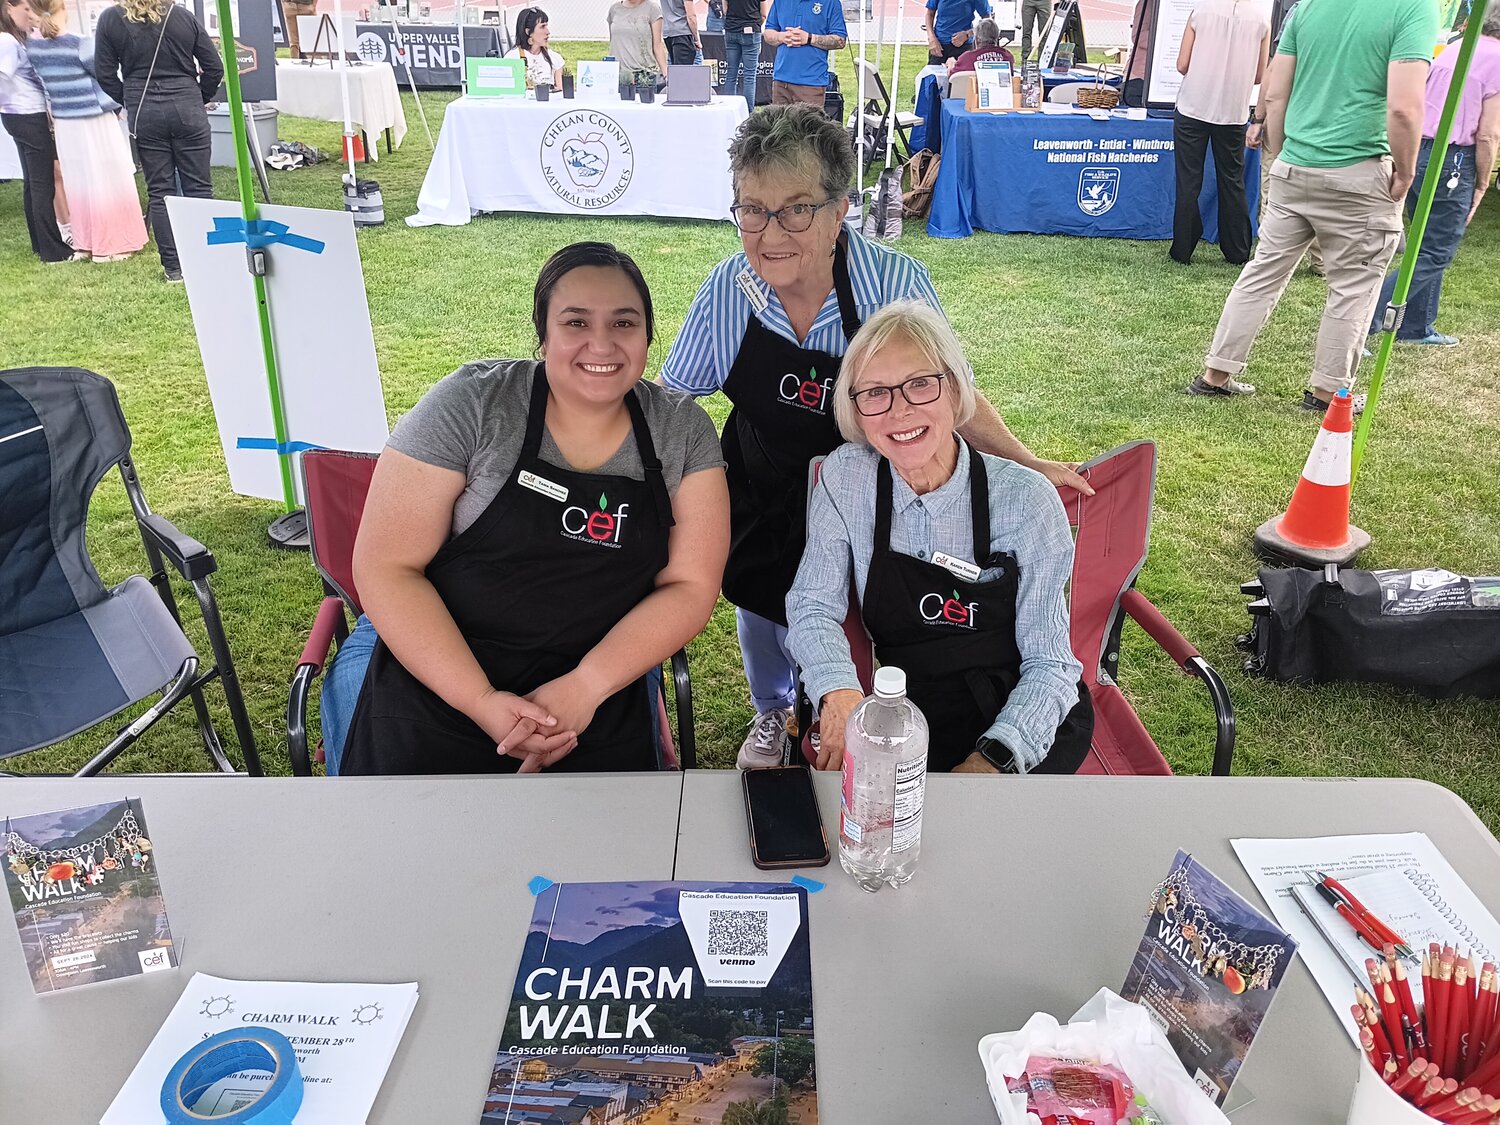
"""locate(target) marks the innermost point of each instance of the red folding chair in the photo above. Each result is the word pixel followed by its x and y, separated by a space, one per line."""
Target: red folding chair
pixel 335 484
pixel 1112 530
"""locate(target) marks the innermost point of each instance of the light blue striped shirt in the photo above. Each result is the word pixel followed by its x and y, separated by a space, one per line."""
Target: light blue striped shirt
pixel 1026 519
pixel 704 350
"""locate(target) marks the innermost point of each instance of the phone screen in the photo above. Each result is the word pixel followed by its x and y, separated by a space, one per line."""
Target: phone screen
pixel 785 828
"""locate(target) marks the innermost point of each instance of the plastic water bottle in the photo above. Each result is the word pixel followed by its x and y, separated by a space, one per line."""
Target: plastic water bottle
pixel 885 777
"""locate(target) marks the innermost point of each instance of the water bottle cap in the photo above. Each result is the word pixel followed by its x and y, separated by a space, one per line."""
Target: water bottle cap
pixel 890 683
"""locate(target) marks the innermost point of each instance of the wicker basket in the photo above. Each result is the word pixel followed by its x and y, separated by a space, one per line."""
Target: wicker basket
pixel 1099 95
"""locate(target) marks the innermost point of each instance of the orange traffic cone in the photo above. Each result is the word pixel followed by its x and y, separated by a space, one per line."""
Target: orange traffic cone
pixel 1315 530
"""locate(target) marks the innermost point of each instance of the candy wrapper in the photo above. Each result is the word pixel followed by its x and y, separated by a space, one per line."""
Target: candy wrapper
pixel 1107 1030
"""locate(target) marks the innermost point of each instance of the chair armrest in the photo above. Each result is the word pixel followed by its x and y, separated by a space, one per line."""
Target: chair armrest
pixel 191 558
pixel 682 693
pixel 1165 634
pixel 309 666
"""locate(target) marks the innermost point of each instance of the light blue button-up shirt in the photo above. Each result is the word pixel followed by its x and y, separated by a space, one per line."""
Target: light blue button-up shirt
pixel 1026 519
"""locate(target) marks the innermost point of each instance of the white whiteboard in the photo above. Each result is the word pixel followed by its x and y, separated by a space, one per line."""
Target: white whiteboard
pixel 330 383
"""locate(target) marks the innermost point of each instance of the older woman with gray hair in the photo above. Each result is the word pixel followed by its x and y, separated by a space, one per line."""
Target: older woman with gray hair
pixel 959 560
pixel 769 328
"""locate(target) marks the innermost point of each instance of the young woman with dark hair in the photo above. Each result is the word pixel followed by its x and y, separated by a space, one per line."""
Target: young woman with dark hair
pixel 538 536
pixel 543 65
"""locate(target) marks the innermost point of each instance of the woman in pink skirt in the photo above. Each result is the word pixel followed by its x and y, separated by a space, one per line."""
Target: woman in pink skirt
pixel 95 157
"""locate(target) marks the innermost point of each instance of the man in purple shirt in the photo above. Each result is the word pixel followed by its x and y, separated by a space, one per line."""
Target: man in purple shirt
pixel 1466 173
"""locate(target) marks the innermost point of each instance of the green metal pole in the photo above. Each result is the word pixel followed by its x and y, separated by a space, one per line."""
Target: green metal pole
pixel 252 212
pixel 1435 161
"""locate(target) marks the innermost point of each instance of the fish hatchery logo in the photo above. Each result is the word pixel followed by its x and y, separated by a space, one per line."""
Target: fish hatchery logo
pixel 1098 189
pixel 587 159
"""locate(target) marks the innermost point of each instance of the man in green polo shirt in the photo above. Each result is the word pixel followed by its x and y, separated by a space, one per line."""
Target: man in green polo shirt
pixel 1343 108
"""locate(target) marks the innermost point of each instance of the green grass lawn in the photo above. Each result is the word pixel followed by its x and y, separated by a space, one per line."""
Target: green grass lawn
pixel 1082 344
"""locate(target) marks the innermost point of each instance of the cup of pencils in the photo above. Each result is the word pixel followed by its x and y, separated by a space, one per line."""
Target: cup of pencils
pixel 1439 1061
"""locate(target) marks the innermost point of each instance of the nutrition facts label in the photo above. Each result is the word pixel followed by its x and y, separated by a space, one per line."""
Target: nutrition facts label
pixel 911 781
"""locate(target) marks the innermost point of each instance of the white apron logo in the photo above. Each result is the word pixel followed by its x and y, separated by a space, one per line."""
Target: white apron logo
pixel 600 526
pixel 939 610
pixel 587 159
pixel 370 47
pixel 1098 189
pixel 810 393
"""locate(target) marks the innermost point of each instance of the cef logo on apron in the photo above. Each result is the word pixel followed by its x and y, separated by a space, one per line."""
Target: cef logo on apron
pixel 810 393
pixel 600 526
pixel 939 609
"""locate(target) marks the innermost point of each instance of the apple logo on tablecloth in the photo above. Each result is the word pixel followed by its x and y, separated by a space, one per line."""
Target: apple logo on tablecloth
pixel 587 159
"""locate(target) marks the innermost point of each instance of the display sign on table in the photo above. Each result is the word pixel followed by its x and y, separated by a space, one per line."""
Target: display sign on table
pixel 254 35
pixel 86 897
pixel 497 78
pixel 599 81
pixel 428 55
pixel 628 990
pixel 1207 970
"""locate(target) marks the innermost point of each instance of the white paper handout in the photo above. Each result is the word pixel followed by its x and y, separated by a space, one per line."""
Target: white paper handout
pixel 1402 878
pixel 345 1036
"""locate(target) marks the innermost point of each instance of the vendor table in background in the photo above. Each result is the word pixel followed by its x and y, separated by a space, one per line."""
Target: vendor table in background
pixel 312 89
pixel 1030 896
pixel 930 93
pixel 1052 173
pixel 581 158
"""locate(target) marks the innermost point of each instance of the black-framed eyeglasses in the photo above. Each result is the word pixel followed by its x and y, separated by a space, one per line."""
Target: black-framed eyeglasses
pixel 794 217
pixel 919 390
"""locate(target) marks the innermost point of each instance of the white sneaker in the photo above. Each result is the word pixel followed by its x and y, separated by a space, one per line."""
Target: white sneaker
pixel 762 746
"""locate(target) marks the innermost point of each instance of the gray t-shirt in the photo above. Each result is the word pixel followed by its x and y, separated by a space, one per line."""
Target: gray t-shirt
pixel 630 37
pixel 474 422
pixel 674 18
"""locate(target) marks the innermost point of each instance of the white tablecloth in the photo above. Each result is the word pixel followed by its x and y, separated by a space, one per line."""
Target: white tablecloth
pixel 580 158
pixel 304 90
pixel 10 159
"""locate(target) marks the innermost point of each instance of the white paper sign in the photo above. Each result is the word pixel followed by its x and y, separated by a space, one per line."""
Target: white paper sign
pixel 345 1036
pixel 771 919
pixel 325 353
pixel 598 81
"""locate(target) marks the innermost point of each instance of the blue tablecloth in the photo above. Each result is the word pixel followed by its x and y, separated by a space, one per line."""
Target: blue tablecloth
pixel 1033 173
pixel 928 105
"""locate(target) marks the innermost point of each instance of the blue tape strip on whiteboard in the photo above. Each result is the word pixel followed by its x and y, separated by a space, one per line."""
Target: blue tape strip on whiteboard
pixel 273 445
pixel 539 883
pixel 229 1052
pixel 260 232
pixel 811 886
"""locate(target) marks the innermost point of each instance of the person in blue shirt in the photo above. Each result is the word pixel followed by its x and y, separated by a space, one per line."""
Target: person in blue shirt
pixel 950 26
pixel 803 32
pixel 769 328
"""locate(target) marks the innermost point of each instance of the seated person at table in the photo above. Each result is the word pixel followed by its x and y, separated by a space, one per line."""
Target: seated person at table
pixel 544 66
pixel 986 49
pixel 537 537
pixel 769 328
pixel 635 40
pixel 958 557
pixel 950 27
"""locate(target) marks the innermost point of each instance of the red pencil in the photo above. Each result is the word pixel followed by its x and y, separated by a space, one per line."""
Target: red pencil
pixel 1366 1018
pixel 1429 1097
pixel 1390 1014
pixel 1461 1100
pixel 1479 1033
pixel 1437 1010
pixel 1416 1074
pixel 1458 1006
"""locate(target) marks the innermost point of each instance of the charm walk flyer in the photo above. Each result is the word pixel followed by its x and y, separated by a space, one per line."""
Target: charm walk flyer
pixel 669 999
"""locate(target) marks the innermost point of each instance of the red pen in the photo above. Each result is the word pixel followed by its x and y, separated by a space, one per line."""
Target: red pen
pixel 1383 932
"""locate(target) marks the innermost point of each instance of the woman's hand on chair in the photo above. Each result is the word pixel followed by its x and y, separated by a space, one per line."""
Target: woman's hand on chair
pixel 833 717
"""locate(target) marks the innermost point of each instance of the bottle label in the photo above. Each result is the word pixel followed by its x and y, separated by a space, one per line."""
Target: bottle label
pixel 851 829
pixel 911 784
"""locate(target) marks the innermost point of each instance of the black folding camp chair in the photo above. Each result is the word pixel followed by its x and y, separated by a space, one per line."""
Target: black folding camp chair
pixel 73 653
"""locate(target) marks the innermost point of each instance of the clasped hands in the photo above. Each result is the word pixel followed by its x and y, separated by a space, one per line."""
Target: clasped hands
pixel 542 727
pixel 795 37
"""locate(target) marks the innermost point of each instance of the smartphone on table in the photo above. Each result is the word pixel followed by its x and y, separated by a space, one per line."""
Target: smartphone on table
pixel 782 809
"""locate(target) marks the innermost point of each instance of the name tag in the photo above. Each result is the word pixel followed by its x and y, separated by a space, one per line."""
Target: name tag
pixel 550 489
pixel 747 283
pixel 965 570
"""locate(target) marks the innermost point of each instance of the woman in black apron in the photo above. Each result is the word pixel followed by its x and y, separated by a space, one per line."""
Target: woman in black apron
pixel 523 641
pixel 976 619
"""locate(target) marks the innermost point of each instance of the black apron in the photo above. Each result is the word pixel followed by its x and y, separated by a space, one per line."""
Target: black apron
pixel 533 584
pixel 956 640
pixel 782 418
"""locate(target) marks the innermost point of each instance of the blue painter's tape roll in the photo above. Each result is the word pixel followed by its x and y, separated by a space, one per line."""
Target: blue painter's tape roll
pixel 229 1052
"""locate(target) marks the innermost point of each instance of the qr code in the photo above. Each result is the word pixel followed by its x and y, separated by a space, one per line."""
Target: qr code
pixel 738 933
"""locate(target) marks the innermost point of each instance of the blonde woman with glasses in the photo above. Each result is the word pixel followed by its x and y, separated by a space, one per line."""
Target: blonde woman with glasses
pixel 155 58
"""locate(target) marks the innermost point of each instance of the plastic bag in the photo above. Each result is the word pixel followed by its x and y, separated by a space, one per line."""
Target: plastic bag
pixel 1076 1091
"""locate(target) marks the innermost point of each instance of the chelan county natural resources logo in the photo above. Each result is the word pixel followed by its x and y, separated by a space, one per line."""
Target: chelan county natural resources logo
pixel 587 159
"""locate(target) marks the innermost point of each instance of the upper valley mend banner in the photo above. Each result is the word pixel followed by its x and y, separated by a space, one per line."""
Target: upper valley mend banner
pixel 425 53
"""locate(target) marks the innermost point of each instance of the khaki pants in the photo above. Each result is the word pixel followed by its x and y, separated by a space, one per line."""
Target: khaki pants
pixel 789 93
pixel 1314 252
pixel 1350 211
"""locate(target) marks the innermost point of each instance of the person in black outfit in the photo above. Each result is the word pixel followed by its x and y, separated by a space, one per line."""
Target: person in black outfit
pixel 170 71
pixel 23 112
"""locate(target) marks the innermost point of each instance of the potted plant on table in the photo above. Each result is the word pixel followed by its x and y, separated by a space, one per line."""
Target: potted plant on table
pixel 645 85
